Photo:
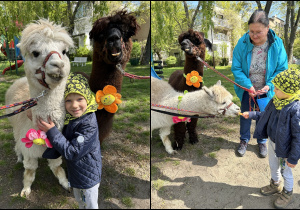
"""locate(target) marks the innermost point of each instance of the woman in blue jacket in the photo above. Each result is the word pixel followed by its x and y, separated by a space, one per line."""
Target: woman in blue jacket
pixel 78 143
pixel 257 58
pixel 280 122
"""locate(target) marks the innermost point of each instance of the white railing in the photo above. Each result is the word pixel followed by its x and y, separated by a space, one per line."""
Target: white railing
pixel 221 37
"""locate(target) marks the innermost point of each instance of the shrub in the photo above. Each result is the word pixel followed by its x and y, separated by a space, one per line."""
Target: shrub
pixel 209 59
pixel 171 61
pixel 84 52
pixel 136 50
pixel 224 62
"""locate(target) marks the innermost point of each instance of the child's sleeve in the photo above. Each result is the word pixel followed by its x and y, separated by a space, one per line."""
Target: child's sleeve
pixel 294 154
pixel 254 115
pixel 81 144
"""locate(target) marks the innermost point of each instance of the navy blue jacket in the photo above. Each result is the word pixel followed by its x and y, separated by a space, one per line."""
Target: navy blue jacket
pixel 283 128
pixel 79 145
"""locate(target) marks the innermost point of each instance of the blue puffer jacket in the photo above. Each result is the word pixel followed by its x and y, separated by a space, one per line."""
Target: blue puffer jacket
pixel 276 62
pixel 79 145
pixel 283 128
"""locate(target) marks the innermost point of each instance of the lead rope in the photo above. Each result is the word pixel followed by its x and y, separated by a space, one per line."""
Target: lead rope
pixel 131 76
pixel 222 75
pixel 27 105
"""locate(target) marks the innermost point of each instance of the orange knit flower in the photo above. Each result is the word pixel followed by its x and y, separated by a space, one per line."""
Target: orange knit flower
pixel 194 79
pixel 108 98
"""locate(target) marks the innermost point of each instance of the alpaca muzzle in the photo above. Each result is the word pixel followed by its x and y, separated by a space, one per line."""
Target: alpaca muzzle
pixel 43 81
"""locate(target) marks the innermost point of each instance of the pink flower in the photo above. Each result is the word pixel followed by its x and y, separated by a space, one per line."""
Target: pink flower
pixel 36 137
pixel 181 119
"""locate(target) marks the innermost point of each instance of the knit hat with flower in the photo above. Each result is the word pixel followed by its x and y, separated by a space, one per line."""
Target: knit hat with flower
pixel 77 83
pixel 288 82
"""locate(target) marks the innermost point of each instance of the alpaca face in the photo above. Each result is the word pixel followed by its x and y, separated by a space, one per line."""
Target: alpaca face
pixel 112 37
pixel 56 68
pixel 37 41
pixel 220 100
pixel 193 43
pixel 113 45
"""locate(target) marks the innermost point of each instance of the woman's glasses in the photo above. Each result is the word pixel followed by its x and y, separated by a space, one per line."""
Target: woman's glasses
pixel 257 33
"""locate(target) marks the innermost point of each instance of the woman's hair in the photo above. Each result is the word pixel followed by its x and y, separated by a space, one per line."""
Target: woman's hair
pixel 259 16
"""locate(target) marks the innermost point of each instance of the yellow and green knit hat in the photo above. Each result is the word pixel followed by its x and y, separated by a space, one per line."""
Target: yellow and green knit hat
pixel 77 83
pixel 288 81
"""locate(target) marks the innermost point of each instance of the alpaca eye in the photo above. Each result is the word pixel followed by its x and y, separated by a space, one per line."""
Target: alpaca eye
pixel 64 52
pixel 35 54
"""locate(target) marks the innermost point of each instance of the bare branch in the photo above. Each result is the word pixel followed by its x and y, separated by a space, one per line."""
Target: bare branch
pixel 268 7
pixel 195 14
pixel 258 4
pixel 186 13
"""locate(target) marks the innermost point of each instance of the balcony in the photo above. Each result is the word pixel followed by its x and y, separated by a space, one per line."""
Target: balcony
pixel 220 23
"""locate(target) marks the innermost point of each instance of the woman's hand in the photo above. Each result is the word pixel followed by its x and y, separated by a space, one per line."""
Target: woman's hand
pixel 253 94
pixel 264 90
pixel 44 126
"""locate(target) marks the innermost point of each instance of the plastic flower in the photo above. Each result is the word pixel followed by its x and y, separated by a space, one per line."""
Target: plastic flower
pixel 36 137
pixel 181 119
pixel 194 79
pixel 108 98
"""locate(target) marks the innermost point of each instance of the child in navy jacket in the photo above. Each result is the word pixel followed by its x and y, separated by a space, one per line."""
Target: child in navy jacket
pixel 78 142
pixel 281 123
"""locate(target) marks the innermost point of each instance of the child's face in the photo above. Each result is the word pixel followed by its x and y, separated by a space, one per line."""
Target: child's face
pixel 280 94
pixel 75 104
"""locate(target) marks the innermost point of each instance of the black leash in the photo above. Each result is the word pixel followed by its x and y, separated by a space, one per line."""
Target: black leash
pixel 182 115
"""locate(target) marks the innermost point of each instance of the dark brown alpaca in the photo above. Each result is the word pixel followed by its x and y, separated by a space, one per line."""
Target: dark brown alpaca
pixel 112 45
pixel 194 44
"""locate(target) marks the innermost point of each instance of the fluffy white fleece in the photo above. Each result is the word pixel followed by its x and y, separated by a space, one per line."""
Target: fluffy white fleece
pixel 207 101
pixel 40 37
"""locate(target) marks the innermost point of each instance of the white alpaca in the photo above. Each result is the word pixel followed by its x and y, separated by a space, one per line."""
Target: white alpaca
pixel 211 100
pixel 37 41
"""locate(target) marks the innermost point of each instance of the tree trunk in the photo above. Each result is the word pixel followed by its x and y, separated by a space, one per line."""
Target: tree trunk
pixel 268 7
pixel 290 18
pixel 72 15
pixel 146 56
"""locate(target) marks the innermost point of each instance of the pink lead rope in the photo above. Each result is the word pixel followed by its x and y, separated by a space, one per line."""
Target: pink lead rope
pixel 222 75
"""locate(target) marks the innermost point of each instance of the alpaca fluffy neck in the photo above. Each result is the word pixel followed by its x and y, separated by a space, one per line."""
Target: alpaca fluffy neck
pixel 191 63
pixel 193 101
pixel 105 74
pixel 51 105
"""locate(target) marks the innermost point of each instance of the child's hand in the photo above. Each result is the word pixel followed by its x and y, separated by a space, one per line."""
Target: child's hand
pixel 290 165
pixel 44 126
pixel 263 90
pixel 245 115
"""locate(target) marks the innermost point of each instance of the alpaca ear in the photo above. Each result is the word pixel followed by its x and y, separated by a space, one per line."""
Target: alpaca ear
pixel 208 91
pixel 219 82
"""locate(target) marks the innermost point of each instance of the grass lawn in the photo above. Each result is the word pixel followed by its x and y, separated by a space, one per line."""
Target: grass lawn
pixel 126 153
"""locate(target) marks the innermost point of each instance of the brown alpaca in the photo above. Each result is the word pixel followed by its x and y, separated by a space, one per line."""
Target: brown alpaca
pixel 194 44
pixel 112 45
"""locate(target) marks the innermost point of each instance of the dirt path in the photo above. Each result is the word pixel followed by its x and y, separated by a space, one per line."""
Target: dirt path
pixel 210 175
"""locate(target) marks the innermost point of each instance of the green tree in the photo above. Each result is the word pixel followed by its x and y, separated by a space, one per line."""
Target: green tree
pixel 167 22
pixel 224 49
pixel 15 15
pixel 202 15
